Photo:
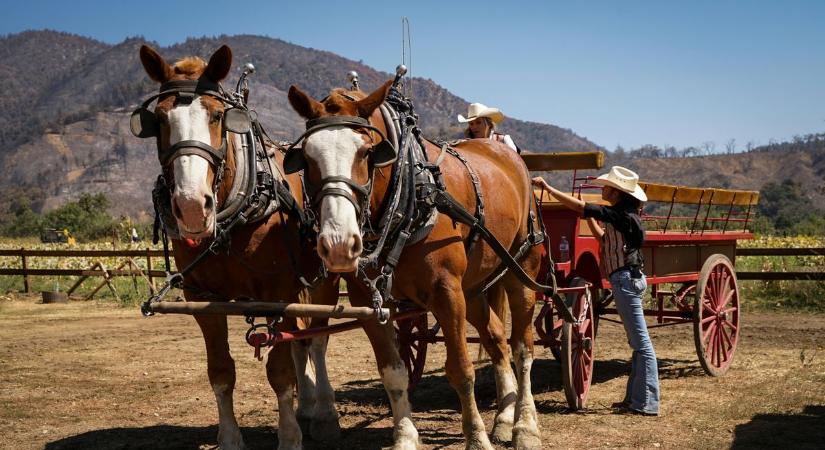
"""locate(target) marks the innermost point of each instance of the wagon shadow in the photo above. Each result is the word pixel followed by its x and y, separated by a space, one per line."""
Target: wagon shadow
pixel 783 430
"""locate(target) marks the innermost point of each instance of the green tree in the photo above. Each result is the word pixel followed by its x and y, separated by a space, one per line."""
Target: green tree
pixel 23 221
pixel 87 218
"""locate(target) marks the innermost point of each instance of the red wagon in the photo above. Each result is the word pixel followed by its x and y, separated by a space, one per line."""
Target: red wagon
pixel 689 263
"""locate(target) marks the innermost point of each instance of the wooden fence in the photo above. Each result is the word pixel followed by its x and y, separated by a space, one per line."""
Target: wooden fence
pixel 771 276
pixel 98 270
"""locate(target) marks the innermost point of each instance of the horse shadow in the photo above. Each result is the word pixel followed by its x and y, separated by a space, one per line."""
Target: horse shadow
pixel 169 437
pixel 805 430
pixel 434 393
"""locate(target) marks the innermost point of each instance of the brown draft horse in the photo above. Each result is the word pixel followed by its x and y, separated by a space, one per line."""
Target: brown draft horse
pixel 435 273
pixel 257 264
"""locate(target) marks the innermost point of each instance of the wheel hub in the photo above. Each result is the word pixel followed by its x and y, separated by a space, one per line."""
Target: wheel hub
pixel 587 344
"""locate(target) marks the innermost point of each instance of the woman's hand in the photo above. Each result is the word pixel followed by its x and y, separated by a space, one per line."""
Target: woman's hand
pixel 540 183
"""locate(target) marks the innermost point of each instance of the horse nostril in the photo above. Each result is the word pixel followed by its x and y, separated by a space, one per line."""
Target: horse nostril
pixel 209 204
pixel 356 247
pixel 324 247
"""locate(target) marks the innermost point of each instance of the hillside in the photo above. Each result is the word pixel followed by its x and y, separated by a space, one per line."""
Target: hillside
pixel 67 99
pixel 65 108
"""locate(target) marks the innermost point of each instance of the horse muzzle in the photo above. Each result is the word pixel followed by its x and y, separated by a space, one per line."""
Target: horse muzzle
pixel 340 254
pixel 195 215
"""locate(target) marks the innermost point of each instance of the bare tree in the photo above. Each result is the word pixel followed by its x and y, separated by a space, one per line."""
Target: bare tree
pixel 730 146
pixel 709 147
pixel 750 146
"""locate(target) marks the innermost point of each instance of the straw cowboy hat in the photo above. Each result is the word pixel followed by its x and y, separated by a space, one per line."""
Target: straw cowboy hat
pixel 477 110
pixel 624 180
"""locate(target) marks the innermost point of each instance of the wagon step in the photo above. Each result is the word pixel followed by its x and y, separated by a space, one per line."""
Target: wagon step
pixel 265 309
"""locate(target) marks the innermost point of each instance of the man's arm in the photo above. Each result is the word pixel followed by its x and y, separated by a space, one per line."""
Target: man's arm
pixel 567 200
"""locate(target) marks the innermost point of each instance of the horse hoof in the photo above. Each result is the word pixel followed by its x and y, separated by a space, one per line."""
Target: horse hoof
pixel 526 440
pixel 481 442
pixel 325 430
pixel 502 433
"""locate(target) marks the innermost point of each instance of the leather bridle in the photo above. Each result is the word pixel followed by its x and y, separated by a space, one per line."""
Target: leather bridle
pixel 144 123
pixel 380 155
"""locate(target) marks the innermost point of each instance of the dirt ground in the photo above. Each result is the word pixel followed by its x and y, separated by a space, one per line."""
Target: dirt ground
pixel 88 375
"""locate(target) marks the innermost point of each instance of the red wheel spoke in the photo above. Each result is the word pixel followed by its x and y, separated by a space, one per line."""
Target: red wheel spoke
pixel 727 299
pixel 708 319
pixel 733 327
pixel 728 344
pixel 707 309
pixel 707 333
pixel 723 349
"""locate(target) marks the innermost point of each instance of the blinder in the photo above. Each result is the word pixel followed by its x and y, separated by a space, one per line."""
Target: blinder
pixel 237 120
pixel 144 123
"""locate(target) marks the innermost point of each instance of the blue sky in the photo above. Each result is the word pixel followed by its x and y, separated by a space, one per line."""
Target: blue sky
pixel 618 72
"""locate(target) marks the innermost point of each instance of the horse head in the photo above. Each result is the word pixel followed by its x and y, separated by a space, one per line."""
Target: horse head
pixel 188 123
pixel 340 149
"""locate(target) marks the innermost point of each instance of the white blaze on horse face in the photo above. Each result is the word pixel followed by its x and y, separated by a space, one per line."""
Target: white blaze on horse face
pixel 339 242
pixel 192 200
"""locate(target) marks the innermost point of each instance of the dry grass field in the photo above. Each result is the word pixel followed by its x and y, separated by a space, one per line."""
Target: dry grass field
pixel 92 375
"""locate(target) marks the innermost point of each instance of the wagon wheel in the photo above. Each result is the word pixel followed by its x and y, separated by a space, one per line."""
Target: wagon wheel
pixel 577 348
pixel 716 315
pixel 412 346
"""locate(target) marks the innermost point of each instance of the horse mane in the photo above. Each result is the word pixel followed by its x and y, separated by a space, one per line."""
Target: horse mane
pixel 190 66
pixel 341 99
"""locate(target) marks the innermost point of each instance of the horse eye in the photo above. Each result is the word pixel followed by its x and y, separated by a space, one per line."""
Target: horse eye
pixel 216 116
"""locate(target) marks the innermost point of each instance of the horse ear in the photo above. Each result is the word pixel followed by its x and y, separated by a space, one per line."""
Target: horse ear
pixel 156 67
pixel 303 104
pixel 219 64
pixel 367 105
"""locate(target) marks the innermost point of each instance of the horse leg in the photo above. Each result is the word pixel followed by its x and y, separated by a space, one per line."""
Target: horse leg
pixel 526 434
pixel 324 426
pixel 448 306
pixel 281 375
pixel 393 373
pixel 492 335
pixel 221 371
pixel 305 374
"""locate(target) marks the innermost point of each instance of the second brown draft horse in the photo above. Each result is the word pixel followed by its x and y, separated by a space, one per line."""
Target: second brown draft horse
pixel 435 273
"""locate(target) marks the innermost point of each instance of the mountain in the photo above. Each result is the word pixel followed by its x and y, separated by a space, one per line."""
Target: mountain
pixel 67 98
pixel 66 102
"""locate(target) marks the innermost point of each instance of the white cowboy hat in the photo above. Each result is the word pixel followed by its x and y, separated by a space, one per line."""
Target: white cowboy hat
pixel 624 180
pixel 477 110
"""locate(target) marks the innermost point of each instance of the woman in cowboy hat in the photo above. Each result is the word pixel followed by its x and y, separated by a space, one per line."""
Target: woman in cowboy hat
pixel 482 124
pixel 621 241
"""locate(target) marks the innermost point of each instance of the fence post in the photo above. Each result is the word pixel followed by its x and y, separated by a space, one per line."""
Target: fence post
pixel 26 286
pixel 149 271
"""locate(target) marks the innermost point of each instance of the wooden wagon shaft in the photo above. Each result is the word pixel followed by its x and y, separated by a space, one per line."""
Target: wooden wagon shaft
pixel 264 309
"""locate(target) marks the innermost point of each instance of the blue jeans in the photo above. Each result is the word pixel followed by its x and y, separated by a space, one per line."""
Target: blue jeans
pixel 642 393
